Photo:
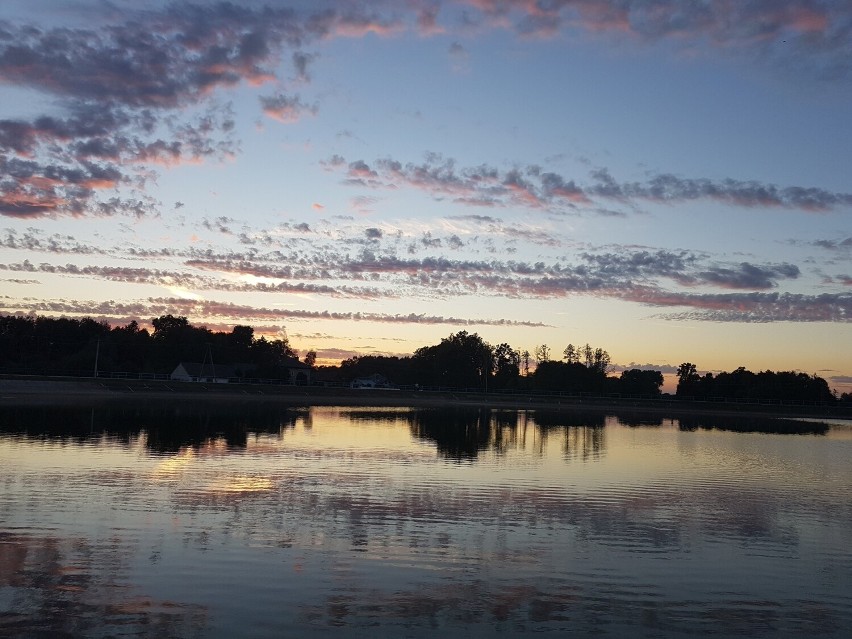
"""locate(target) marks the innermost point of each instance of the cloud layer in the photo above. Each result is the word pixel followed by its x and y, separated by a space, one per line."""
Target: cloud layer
pixel 141 92
pixel 390 266
pixel 228 311
pixel 534 187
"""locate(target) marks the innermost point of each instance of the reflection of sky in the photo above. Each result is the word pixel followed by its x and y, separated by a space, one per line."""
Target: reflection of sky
pixel 341 519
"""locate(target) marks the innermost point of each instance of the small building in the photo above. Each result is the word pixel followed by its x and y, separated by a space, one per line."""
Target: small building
pixel 295 372
pixel 298 372
pixel 206 372
pixel 376 380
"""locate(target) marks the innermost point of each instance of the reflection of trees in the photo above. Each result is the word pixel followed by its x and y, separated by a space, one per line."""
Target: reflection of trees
pixel 582 433
pixel 737 423
pixel 70 588
pixel 753 424
pixel 462 433
pixel 458 433
pixel 169 426
pixel 584 442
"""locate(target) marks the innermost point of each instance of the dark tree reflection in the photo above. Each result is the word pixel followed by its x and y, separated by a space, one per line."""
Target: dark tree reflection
pixel 737 423
pixel 169 426
pixel 753 424
pixel 457 433
pixel 461 434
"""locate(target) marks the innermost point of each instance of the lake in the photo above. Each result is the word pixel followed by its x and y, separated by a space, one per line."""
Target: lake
pixel 183 520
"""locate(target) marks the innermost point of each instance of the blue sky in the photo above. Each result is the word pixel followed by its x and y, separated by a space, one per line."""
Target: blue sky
pixel 666 180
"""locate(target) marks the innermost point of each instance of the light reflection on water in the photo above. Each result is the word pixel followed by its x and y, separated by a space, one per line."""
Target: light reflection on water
pixel 181 521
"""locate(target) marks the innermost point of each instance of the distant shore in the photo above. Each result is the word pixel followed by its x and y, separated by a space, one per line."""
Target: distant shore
pixel 34 391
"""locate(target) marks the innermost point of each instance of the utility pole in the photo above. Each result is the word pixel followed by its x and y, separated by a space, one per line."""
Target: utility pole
pixel 208 356
pixel 97 353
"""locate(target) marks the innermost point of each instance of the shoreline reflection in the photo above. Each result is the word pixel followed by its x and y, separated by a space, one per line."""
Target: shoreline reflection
pixel 268 522
pixel 459 434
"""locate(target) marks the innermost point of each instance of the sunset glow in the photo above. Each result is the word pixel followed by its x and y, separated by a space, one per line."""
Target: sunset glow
pixel 666 180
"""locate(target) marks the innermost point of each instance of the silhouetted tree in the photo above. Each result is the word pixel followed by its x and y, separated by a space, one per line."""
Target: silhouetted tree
pixel 398 370
pixel 575 378
pixel 461 360
pixel 687 377
pixel 542 353
pixel 506 366
pixel 271 356
pixel 570 355
pixel 588 355
pixel 127 349
pixel 242 336
pixel 600 360
pixel 641 382
pixel 743 384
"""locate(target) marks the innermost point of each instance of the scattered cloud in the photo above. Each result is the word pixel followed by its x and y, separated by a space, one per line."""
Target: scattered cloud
pixel 286 109
pixel 459 58
pixel 282 262
pixel 532 187
pixel 219 224
pixel 36 240
pixel 749 276
pixel 840 380
pixel 748 307
pixel 668 188
pixel 142 90
pixel 835 245
pixel 810 35
pixel 207 309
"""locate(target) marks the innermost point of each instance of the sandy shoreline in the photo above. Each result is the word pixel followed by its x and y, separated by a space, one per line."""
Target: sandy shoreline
pixel 40 391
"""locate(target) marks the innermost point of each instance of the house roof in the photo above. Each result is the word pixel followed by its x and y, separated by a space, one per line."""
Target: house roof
pixel 295 363
pixel 377 378
pixel 194 369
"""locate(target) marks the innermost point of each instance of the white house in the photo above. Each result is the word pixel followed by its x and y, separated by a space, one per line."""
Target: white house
pixel 297 372
pixel 207 372
pixel 376 380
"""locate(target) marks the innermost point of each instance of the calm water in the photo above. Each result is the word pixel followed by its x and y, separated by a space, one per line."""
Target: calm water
pixel 181 521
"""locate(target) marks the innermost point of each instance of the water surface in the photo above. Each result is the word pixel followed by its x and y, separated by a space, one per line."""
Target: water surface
pixel 179 520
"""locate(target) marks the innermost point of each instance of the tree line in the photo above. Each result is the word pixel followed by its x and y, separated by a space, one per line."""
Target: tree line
pixel 465 360
pixel 37 344
pixel 743 384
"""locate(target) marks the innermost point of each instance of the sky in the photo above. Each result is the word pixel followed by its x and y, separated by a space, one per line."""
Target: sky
pixel 667 180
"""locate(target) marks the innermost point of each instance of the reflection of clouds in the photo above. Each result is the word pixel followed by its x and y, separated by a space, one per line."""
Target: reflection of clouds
pixel 239 485
pixel 572 603
pixel 174 466
pixel 58 587
pixel 192 468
